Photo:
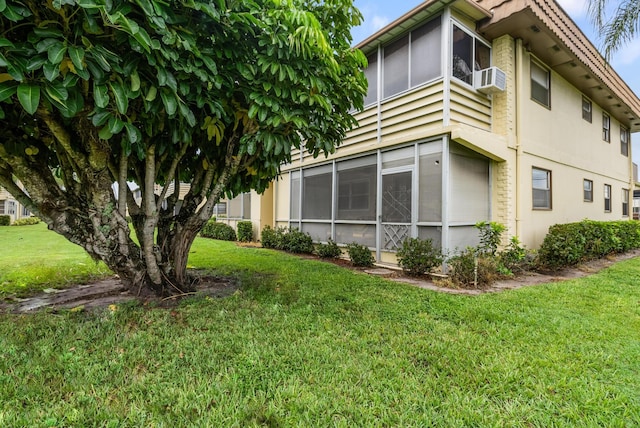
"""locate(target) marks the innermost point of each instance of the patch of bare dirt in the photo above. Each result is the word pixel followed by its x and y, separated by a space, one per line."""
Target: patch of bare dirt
pixel 110 291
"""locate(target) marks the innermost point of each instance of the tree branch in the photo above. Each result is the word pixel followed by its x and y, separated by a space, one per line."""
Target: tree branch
pixel 171 173
pixel 122 184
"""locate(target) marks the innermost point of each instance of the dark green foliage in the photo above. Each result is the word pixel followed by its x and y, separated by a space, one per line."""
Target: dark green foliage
pixel 299 242
pixel 291 240
pixel 273 238
pixel 245 231
pixel 490 234
pixel 26 221
pixel 418 256
pixel 215 230
pixel 5 220
pixel 360 255
pixel 572 243
pixel 514 259
pixel 330 250
pixel 472 270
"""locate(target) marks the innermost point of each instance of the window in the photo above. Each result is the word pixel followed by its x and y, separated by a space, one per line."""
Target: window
pixel 625 202
pixel 234 207
pixel 316 193
pixel 407 62
pixel 624 141
pixel 588 190
pixel 357 187
pixel 469 55
pixel 607 198
pixel 371 73
pixel 425 53
pixel 396 72
pixel 10 207
pixel 2 207
pixel 246 205
pixel 541 184
pixel 25 212
pixel 295 196
pixel 540 85
pixel 586 109
pixel 461 68
pixel 220 209
pixel 606 127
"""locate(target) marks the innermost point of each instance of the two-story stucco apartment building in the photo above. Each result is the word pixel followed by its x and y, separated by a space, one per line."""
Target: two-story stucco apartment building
pixel 477 110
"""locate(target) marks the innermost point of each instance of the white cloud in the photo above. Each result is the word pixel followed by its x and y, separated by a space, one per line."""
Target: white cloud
pixel 378 22
pixel 575 8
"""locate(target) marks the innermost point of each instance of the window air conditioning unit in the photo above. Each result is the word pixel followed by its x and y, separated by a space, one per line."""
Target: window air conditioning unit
pixel 490 80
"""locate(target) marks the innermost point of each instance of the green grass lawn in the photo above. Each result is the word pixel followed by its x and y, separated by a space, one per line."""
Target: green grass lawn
pixel 33 258
pixel 306 343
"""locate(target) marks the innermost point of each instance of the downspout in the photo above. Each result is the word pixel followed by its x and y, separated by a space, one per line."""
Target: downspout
pixel 632 183
pixel 519 97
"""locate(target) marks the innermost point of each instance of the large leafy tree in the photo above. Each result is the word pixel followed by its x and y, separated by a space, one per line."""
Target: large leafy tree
pixel 212 93
pixel 617 22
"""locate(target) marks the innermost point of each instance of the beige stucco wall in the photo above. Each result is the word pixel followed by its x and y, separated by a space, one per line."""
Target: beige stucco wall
pixel 560 140
pixel 262 210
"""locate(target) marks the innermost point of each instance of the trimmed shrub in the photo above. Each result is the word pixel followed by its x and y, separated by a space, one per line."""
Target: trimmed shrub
pixel 360 255
pixel 572 243
pixel 330 250
pixel 221 231
pixel 245 231
pixel 273 238
pixel 291 240
pixel 418 256
pixel 298 242
pixel 5 220
pixel 26 221
pixel 464 273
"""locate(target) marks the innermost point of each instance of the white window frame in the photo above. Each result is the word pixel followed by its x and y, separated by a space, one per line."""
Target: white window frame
pixel 606 127
pixel 587 194
pixel 624 141
pixel 547 189
pixel 476 39
pixel 587 109
pixel 625 202
pixel 545 85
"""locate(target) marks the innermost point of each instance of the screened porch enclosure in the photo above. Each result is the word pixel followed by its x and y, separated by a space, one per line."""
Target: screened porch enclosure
pixel 380 199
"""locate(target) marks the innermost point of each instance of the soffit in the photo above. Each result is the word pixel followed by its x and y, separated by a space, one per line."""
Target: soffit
pixel 548 33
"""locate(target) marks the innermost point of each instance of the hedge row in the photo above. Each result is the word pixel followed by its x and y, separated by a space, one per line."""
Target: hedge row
pixel 283 238
pixel 220 231
pixel 573 243
pixel 26 221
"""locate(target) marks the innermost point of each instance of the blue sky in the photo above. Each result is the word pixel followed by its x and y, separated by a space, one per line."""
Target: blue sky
pixel 378 13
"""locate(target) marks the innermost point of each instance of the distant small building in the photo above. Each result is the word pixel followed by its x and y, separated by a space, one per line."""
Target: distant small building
pixel 11 207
